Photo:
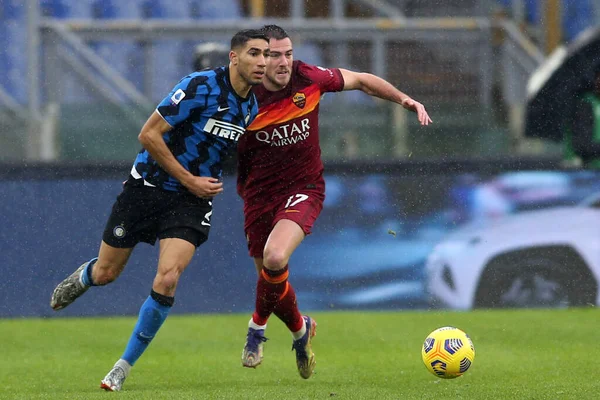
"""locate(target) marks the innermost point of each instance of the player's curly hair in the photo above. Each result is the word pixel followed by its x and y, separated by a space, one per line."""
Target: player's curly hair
pixel 274 32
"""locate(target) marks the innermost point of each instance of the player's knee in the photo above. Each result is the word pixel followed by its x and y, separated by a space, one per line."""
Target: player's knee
pixel 274 259
pixel 167 282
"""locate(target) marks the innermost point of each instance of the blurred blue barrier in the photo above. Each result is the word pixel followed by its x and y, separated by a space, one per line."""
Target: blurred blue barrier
pixel 367 251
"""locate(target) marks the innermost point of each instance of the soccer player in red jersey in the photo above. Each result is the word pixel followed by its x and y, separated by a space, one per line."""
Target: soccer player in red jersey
pixel 280 179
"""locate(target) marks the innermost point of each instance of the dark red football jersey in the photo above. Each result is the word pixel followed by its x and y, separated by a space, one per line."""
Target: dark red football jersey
pixel 280 150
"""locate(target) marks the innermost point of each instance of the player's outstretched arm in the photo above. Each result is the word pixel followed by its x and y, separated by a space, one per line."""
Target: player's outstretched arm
pixel 151 137
pixel 378 87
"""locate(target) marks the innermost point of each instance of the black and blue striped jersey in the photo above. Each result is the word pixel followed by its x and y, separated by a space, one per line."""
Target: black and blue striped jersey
pixel 207 117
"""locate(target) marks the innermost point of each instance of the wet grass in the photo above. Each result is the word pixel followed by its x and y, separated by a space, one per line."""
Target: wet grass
pixel 533 354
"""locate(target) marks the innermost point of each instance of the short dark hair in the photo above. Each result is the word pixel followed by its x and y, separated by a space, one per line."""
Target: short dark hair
pixel 275 32
pixel 242 37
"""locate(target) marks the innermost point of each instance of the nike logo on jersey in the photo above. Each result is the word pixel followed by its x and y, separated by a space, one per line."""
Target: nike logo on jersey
pixel 219 109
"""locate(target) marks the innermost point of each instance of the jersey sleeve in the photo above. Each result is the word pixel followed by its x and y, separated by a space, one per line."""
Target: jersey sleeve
pixel 328 79
pixel 190 94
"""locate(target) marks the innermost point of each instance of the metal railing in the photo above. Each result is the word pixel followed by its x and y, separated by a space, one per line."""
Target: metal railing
pixel 378 34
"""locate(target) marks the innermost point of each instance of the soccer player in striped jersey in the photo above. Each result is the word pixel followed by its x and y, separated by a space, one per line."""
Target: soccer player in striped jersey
pixel 168 195
pixel 280 179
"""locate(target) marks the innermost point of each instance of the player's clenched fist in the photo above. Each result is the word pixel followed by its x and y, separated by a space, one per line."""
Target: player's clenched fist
pixel 203 186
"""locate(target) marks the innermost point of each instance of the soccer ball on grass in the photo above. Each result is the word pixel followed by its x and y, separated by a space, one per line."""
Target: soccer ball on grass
pixel 448 352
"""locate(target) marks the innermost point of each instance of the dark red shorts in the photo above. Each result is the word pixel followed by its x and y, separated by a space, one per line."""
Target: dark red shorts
pixel 302 207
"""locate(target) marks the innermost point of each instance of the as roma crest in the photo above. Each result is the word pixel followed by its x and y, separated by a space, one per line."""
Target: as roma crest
pixel 299 99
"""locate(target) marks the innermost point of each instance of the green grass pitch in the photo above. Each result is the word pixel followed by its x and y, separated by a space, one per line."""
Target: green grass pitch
pixel 531 354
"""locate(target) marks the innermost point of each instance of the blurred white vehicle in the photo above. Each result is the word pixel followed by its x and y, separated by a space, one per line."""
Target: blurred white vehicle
pixel 544 258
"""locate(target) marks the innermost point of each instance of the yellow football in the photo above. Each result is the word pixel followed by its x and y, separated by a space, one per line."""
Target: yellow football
pixel 448 352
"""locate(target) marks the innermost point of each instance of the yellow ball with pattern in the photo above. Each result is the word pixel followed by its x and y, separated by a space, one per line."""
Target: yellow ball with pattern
pixel 448 352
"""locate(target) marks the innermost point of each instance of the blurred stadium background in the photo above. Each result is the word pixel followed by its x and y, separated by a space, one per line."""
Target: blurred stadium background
pixel 79 77
pixel 83 74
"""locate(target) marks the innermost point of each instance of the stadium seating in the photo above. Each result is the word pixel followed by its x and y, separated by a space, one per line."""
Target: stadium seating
pixel 447 8
pixel 428 71
pixel 215 9
pixel 13 60
pixel 167 66
pixel 171 59
pixel 577 16
pixel 123 55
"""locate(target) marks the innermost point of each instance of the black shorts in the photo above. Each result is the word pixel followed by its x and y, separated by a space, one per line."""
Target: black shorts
pixel 144 214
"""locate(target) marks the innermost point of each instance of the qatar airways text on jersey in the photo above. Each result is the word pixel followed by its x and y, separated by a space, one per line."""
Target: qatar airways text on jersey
pixel 284 135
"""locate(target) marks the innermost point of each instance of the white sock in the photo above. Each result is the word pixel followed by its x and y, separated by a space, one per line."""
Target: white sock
pixel 301 332
pixel 253 325
pixel 123 364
